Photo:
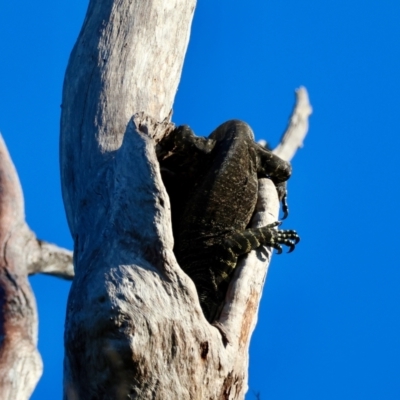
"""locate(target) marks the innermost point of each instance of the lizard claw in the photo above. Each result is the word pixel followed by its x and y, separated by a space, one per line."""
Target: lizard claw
pixel 285 237
pixel 274 224
pixel 285 207
pixel 291 247
pixel 282 194
pixel 291 234
pixel 278 248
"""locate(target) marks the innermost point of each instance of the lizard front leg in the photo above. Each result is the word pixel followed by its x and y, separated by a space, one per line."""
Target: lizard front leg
pixel 212 282
pixel 243 242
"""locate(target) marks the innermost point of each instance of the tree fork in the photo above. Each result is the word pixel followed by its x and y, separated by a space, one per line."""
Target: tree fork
pixel 134 326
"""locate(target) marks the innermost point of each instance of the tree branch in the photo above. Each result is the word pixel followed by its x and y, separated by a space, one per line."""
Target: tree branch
pixel 47 258
pixel 297 129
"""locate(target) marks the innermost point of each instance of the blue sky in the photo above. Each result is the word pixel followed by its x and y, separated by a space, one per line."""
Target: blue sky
pixel 329 323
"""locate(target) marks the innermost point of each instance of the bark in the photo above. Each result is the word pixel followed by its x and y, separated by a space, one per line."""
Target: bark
pixel 21 254
pixel 134 326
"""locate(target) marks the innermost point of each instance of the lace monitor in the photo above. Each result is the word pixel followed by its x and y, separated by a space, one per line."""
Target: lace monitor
pixel 212 183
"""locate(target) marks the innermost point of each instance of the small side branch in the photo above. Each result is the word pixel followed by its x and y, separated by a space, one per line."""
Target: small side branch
pixel 50 259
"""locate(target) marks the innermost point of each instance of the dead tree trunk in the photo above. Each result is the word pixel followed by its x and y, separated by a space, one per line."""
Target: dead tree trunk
pixel 20 362
pixel 134 326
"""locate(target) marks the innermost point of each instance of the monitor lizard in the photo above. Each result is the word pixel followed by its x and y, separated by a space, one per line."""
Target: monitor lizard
pixel 212 184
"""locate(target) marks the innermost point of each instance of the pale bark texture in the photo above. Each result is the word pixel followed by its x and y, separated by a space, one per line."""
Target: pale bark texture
pixel 134 326
pixel 21 254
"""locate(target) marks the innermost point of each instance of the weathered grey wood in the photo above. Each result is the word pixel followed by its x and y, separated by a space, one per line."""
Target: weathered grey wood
pixel 134 326
pixel 47 258
pixel 128 58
